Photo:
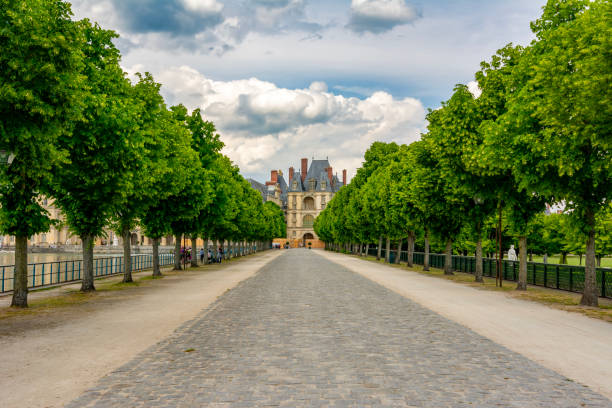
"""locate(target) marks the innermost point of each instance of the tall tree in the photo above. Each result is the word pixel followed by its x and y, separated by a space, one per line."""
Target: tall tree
pixel 560 117
pixel 41 94
pixel 489 156
pixel 185 206
pixel 148 166
pixel 207 143
pixel 447 198
pixel 101 150
pixel 176 156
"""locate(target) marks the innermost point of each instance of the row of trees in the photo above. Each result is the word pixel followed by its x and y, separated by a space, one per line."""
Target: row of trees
pixel 106 149
pixel 548 234
pixel 539 132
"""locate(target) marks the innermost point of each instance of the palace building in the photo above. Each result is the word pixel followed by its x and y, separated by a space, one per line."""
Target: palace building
pixel 302 197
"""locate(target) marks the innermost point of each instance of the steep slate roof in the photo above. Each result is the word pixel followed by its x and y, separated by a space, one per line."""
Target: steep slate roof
pixel 259 187
pixel 323 177
pixel 296 176
pixel 316 168
pixel 337 183
pixel 283 187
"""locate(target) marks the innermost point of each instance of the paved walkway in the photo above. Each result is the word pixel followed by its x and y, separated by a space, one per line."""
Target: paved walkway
pixel 307 332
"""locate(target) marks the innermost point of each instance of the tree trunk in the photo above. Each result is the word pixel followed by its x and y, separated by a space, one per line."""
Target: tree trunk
pixel 598 260
pixel 410 249
pixel 530 256
pixel 590 296
pixel 87 283
pixel 522 277
pixel 367 249
pixel 127 255
pixel 563 258
pixel 205 246
pixel 194 251
pixel 448 259
pixel 379 248
pixel 399 252
pixel 426 255
pixel 156 269
pixel 20 284
pixel 478 271
pixel 388 250
pixel 177 253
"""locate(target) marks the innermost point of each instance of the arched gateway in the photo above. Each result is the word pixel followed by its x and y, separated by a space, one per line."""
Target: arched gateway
pixel 308 235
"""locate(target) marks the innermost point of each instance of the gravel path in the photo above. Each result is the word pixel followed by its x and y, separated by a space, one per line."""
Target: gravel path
pixel 306 332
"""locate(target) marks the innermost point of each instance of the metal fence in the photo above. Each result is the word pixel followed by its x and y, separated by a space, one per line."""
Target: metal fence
pixel 564 277
pixel 52 273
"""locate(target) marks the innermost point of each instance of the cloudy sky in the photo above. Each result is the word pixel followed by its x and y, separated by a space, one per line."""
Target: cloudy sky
pixel 285 79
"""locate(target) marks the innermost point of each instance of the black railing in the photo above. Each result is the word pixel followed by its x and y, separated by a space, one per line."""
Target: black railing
pixel 563 277
pixel 52 273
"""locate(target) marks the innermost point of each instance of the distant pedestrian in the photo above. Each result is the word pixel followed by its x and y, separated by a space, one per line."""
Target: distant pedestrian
pixel 219 255
pixel 210 256
pixel 202 255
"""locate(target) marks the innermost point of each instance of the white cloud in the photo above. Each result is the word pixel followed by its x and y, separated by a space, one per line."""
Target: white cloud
pixel 266 126
pixel 203 6
pixel 378 16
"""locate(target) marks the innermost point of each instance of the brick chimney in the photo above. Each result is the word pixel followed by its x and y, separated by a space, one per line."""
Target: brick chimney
pixel 330 176
pixel 291 171
pixel 344 177
pixel 304 168
pixel 273 178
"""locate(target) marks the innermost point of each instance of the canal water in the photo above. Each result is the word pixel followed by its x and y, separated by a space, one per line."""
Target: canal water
pixel 8 257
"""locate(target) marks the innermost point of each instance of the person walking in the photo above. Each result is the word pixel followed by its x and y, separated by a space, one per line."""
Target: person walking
pixel 202 255
pixel 219 255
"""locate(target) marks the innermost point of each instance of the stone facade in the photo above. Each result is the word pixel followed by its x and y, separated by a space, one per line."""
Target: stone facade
pixel 305 195
pixel 59 236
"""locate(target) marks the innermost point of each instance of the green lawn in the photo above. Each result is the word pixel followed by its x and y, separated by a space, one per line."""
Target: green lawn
pixel 573 260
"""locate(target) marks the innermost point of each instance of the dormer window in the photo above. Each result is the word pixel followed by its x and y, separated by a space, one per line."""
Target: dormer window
pixel 311 184
pixel 295 184
pixel 323 185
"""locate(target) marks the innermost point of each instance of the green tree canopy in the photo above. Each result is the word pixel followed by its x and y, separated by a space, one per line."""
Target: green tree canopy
pixel 42 89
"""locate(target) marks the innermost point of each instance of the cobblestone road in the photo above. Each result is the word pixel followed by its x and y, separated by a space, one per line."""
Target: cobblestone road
pixel 306 332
